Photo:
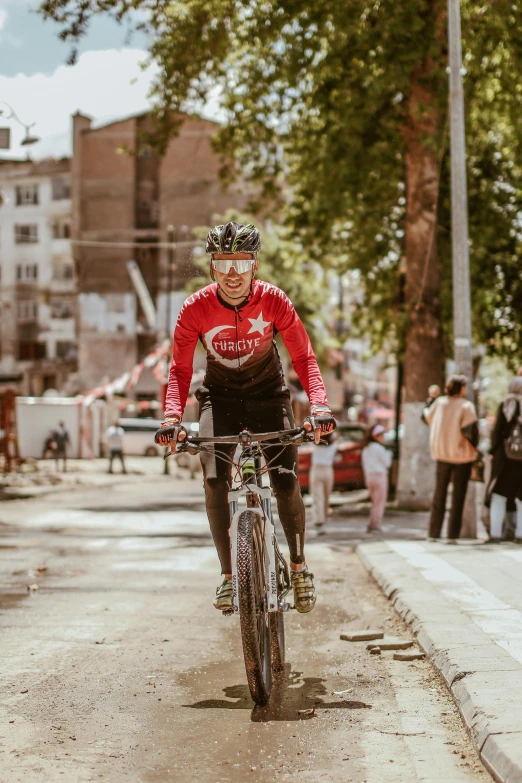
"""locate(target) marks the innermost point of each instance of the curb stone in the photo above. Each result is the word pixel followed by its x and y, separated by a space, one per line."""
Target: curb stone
pixel 484 680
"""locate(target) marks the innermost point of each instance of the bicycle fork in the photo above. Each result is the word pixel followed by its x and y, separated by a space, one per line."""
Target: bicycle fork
pixel 269 548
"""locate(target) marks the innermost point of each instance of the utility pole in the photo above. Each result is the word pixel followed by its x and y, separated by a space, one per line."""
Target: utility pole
pixel 168 358
pixel 401 299
pixel 459 230
pixel 170 271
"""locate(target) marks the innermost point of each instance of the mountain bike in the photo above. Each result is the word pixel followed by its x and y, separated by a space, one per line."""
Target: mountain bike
pixel 260 574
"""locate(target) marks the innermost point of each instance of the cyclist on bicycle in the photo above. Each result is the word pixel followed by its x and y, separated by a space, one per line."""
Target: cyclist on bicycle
pixel 236 319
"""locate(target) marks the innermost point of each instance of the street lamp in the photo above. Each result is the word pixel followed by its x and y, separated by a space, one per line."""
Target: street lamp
pixel 12 115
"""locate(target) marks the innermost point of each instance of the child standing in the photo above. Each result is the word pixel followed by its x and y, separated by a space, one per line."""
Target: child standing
pixel 322 477
pixel 376 461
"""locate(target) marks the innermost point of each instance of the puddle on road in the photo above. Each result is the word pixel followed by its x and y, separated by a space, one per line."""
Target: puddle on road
pixel 293 695
pixel 216 733
pixel 12 600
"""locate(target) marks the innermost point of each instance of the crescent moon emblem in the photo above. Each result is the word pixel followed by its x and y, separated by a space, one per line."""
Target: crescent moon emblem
pixel 208 338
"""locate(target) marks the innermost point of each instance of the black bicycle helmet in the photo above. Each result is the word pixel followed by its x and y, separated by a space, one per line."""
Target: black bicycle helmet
pixel 233 238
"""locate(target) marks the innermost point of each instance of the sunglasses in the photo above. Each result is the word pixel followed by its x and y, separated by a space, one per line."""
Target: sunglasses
pixel 241 265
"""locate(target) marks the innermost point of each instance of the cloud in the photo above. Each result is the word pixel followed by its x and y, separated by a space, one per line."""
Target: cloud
pixel 3 18
pixel 104 84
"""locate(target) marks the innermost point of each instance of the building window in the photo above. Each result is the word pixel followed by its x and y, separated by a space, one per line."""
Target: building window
pixel 27 310
pixel 66 350
pixel 61 308
pixel 49 382
pixel 27 234
pixel 62 229
pixel 26 194
pixel 27 272
pixel 61 188
pixel 62 270
pixel 29 350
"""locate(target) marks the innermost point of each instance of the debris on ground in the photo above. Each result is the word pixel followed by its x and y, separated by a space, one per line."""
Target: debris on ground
pixel 362 636
pixel 307 713
pixel 375 650
pixel 408 655
pixel 391 643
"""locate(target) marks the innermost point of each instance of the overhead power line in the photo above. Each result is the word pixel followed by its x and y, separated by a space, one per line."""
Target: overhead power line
pixel 96 243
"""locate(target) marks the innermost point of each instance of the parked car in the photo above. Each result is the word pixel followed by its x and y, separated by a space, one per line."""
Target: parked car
pixel 348 472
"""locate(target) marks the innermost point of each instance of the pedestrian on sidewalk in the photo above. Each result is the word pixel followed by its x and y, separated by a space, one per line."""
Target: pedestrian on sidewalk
pixel 454 437
pixel 62 440
pixel 433 393
pixel 376 462
pixel 322 476
pixel 114 437
pixel 505 485
pixel 49 446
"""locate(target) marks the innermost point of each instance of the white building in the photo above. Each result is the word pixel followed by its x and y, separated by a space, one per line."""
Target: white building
pixel 37 285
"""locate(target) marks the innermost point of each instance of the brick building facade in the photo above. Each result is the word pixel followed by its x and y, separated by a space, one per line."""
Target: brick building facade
pixel 124 197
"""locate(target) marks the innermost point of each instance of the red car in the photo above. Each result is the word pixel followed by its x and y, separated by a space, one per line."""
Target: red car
pixel 348 472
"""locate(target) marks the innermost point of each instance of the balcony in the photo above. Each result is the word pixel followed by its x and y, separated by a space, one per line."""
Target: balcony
pixel 60 285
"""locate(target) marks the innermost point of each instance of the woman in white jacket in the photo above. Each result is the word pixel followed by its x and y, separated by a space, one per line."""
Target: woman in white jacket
pixel 376 461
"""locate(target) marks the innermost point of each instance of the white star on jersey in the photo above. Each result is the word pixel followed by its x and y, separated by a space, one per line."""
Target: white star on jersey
pixel 258 325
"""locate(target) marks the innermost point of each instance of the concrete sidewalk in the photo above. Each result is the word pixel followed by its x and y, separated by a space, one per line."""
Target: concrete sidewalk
pixel 464 604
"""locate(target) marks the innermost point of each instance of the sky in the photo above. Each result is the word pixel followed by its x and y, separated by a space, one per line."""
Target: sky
pixel 107 81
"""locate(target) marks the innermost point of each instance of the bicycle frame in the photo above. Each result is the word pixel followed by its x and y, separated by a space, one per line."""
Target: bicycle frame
pixel 271 556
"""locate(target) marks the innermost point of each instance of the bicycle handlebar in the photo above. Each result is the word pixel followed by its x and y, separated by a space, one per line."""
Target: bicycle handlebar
pixel 246 438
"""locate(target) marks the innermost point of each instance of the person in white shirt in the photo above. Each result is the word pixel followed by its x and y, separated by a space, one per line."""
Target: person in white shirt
pixel 376 461
pixel 322 477
pixel 114 437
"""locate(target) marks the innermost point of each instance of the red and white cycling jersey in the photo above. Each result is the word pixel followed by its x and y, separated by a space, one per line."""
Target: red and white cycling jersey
pixel 242 358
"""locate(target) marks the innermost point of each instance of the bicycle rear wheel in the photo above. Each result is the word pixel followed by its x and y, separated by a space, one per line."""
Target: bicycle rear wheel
pixel 253 615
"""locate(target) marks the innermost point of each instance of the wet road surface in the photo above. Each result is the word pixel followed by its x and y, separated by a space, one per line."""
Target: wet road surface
pixel 117 667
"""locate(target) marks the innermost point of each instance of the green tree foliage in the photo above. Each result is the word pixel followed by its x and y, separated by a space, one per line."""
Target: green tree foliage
pixel 328 102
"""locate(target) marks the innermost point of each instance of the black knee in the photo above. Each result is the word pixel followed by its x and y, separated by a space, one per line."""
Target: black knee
pixel 216 492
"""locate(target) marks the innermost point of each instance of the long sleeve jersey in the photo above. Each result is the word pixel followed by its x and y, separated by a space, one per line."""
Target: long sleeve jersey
pixel 242 357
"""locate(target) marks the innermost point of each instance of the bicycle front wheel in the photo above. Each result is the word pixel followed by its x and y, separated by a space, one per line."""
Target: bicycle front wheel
pixel 253 609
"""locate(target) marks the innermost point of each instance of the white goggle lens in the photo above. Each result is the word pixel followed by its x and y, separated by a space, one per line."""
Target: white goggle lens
pixel 241 266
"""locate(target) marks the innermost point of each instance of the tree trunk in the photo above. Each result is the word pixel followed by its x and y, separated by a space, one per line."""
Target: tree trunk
pixel 424 349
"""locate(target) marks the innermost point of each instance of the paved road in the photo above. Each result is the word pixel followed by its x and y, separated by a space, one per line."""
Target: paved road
pixel 117 668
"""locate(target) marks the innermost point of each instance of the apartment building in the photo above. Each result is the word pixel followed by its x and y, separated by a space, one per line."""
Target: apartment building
pixel 37 280
pixel 124 197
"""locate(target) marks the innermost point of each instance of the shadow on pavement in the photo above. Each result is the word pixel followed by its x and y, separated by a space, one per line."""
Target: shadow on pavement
pixel 293 698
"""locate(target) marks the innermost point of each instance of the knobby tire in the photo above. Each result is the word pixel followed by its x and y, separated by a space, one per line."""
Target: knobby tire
pixel 255 620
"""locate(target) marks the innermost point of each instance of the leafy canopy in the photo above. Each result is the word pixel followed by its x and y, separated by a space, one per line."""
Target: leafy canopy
pixel 315 94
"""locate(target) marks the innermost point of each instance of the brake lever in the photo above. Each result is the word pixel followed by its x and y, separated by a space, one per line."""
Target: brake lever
pixel 302 437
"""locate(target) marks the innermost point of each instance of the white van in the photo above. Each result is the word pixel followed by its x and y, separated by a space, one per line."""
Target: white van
pixel 139 436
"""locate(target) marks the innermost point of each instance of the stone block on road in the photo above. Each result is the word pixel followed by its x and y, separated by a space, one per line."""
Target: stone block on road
pixel 362 636
pixel 408 655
